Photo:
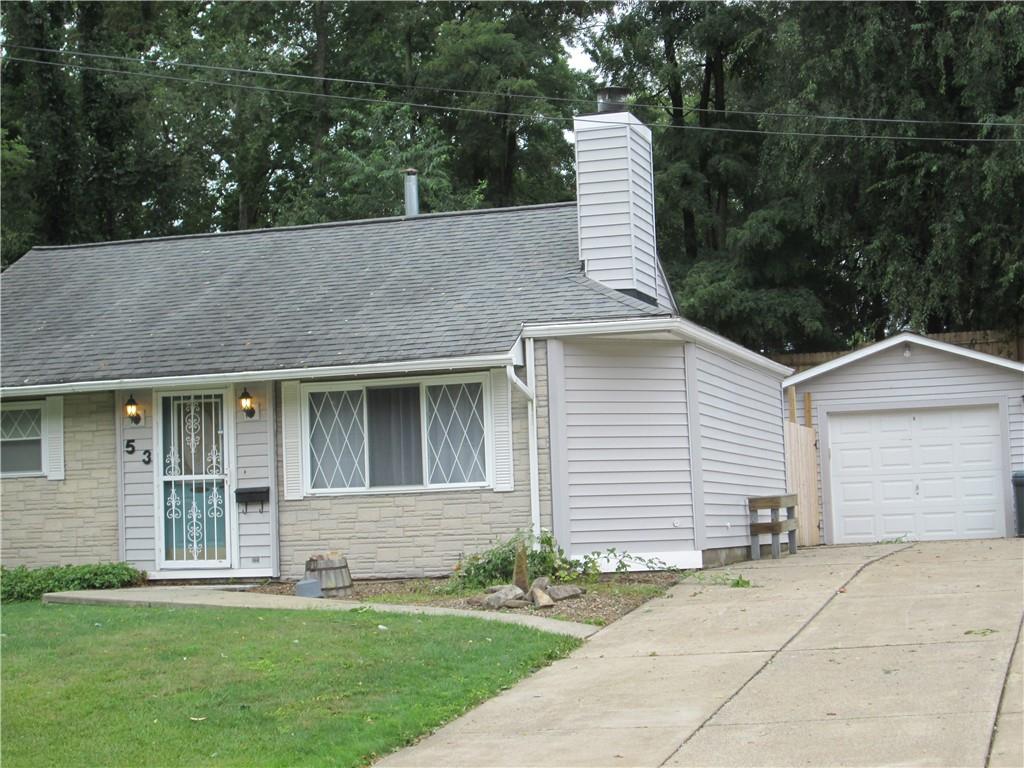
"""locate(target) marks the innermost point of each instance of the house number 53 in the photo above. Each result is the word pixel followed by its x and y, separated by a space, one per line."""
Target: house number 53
pixel 129 448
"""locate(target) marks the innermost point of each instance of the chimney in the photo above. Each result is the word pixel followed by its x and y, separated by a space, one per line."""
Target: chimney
pixel 412 192
pixel 615 200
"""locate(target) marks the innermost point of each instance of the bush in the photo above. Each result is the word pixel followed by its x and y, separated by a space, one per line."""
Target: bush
pixel 23 584
pixel 497 564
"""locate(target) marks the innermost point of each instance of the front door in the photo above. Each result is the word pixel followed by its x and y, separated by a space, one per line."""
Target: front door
pixel 194 517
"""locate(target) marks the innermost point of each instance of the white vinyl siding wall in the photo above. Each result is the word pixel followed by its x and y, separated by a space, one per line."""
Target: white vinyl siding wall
pixel 742 443
pixel 137 487
pixel 615 198
pixel 927 377
pixel 620 432
pixel 254 441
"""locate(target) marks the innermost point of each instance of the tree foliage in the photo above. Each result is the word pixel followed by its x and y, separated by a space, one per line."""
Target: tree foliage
pixel 777 239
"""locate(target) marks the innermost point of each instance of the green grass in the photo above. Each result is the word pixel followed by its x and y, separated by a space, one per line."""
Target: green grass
pixel 118 686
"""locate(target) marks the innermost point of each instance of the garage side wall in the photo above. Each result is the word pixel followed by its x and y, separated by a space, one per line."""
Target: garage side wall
pixel 742 443
pixel 927 377
pixel 620 447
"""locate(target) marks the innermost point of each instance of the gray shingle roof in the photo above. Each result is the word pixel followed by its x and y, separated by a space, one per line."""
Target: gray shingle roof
pixel 375 291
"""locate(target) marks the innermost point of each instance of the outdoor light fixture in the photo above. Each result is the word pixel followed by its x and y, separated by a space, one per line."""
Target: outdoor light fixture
pixel 246 404
pixel 906 351
pixel 131 410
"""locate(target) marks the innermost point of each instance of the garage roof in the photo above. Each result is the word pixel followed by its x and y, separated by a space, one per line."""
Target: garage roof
pixel 892 341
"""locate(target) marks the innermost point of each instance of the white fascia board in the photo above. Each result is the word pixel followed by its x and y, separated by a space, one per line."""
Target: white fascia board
pixel 473 362
pixel 673 327
pixel 902 338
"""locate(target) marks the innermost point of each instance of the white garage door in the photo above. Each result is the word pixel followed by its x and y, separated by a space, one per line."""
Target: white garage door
pixel 928 473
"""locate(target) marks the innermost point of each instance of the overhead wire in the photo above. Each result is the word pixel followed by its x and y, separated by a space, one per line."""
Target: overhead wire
pixel 500 94
pixel 500 113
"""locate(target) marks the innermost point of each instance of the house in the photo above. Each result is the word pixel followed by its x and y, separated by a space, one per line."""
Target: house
pixel 404 390
pixel 917 438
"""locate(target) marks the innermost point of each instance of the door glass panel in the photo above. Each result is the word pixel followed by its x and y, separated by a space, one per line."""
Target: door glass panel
pixel 192 465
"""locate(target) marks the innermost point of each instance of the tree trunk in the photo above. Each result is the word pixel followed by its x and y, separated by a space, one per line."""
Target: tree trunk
pixel 323 117
pixel 678 118
pixel 704 159
pixel 722 201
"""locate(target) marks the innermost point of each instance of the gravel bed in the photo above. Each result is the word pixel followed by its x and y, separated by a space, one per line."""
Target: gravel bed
pixel 611 597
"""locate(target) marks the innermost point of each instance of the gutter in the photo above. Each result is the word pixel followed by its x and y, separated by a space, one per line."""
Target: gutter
pixel 673 327
pixel 530 391
pixel 472 362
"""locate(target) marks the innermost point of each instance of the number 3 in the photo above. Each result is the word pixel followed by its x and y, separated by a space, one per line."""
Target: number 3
pixel 147 457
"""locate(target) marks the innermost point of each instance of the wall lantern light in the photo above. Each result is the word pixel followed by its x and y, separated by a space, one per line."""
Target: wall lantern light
pixel 246 403
pixel 906 351
pixel 131 410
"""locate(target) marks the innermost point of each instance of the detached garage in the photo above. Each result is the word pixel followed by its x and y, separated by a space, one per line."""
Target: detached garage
pixel 917 439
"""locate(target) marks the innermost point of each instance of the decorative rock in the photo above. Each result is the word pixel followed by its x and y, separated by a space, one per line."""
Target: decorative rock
pixel 498 588
pixel 498 599
pixel 541 582
pixel 541 599
pixel 308 588
pixel 517 603
pixel 559 592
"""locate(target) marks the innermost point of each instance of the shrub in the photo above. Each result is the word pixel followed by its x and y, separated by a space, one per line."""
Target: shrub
pixel 23 584
pixel 497 564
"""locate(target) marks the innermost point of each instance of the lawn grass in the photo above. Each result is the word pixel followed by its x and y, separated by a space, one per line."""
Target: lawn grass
pixel 119 686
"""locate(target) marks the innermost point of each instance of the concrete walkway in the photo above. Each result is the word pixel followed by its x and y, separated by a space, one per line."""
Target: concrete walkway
pixel 871 655
pixel 210 597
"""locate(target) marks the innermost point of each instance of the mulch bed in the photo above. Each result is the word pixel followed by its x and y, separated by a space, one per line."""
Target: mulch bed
pixel 610 598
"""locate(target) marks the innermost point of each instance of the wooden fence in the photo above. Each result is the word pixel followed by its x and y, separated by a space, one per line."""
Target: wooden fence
pixel 1008 344
pixel 802 472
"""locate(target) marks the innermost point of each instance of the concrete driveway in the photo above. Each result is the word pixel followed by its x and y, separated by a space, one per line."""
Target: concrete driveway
pixel 863 655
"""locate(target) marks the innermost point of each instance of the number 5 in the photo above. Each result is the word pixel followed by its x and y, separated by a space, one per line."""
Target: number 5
pixel 129 447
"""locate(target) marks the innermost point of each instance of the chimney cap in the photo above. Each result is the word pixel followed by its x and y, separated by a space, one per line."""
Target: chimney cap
pixel 612 98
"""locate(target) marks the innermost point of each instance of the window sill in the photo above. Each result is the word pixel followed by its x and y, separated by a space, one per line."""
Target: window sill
pixel 399 489
pixel 6 475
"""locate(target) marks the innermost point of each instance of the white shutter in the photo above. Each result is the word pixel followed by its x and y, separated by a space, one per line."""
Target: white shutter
pixel 291 439
pixel 501 419
pixel 53 426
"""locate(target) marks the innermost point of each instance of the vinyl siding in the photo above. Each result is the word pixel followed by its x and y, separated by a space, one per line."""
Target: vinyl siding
pixel 927 376
pixel 615 197
pixel 624 453
pixel 742 443
pixel 253 469
pixel 137 482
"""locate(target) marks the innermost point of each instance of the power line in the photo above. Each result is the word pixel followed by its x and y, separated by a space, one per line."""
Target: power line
pixel 471 92
pixel 498 113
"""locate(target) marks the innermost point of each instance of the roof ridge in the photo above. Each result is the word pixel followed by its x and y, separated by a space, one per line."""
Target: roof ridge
pixel 302 227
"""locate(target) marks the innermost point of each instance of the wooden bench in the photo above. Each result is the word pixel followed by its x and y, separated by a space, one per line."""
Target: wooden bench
pixel 775 527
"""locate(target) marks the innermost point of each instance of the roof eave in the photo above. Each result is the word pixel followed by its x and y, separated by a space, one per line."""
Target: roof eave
pixel 435 365
pixel 901 338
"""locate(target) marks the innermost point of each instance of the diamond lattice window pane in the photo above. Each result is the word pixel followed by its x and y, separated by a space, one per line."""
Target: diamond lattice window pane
pixel 337 440
pixel 455 434
pixel 21 424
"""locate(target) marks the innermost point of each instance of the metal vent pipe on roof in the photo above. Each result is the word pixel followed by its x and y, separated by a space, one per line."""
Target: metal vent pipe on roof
pixel 412 192
pixel 611 98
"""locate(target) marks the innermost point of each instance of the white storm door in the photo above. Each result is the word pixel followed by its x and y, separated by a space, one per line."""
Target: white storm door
pixel 921 474
pixel 194 511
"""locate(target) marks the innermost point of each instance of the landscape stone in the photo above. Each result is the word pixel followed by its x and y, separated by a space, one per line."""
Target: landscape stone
pixel 559 592
pixel 498 599
pixel 541 599
pixel 498 587
pixel 308 588
pixel 541 582
pixel 517 603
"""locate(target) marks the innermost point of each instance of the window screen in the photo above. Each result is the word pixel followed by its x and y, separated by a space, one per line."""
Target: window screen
pixel 337 440
pixel 21 440
pixel 455 434
pixel 395 443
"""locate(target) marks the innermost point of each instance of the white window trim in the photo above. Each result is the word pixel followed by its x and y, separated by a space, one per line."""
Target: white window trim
pixel 482 378
pixel 26 405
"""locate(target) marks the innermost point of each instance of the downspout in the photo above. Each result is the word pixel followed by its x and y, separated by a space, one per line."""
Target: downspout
pixel 528 390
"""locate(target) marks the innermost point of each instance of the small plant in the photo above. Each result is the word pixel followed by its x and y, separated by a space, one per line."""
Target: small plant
pixel 23 584
pixel 721 579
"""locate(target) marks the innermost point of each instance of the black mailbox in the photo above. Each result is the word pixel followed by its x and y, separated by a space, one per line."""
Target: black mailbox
pixel 247 496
